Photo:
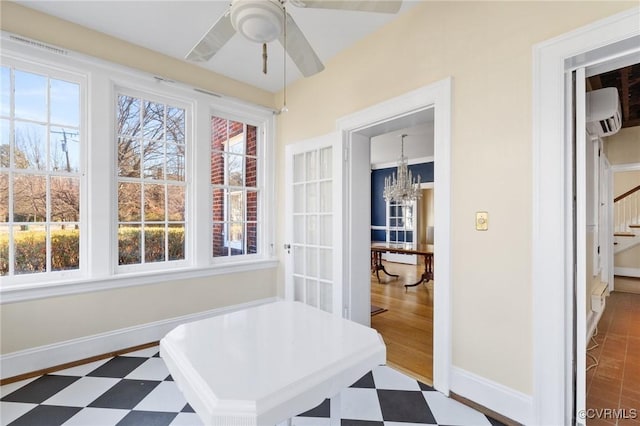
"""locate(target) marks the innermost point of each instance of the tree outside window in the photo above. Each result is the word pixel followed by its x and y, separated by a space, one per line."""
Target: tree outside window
pixel 151 181
pixel 40 173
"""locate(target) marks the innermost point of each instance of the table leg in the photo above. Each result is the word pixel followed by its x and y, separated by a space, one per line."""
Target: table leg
pixel 334 409
pixel 427 275
pixel 378 266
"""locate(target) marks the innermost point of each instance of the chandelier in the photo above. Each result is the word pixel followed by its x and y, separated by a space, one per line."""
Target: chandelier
pixel 400 187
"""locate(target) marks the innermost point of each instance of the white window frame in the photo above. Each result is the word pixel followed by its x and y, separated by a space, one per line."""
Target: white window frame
pixel 58 73
pixel 262 130
pixel 99 270
pixel 188 108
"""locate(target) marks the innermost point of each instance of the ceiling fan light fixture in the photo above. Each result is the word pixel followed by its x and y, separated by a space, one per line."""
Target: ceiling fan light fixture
pixel 258 20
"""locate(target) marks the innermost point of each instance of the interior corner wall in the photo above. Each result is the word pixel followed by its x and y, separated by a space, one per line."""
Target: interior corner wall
pixel 623 147
pixel 36 323
pixel 486 47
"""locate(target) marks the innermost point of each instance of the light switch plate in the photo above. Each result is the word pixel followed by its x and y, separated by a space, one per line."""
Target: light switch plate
pixel 482 221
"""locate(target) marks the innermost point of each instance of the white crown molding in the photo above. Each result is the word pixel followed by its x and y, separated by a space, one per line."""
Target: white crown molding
pixel 411 162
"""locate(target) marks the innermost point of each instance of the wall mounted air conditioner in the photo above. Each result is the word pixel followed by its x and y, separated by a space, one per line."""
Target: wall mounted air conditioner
pixel 603 112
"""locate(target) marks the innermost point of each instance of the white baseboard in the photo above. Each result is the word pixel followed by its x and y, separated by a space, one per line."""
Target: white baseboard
pixel 627 272
pixel 494 396
pixel 34 359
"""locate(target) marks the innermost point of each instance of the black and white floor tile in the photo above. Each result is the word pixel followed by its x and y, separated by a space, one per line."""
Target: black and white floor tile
pixel 136 389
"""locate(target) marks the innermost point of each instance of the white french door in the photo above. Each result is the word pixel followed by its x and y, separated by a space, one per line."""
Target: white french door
pixel 313 241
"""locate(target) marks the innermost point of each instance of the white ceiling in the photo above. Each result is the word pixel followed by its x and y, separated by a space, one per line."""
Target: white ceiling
pixel 173 27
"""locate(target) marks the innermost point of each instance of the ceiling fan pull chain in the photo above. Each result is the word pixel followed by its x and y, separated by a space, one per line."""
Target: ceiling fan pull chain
pixel 264 58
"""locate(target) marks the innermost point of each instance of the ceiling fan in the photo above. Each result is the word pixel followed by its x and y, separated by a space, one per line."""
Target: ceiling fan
pixel 262 21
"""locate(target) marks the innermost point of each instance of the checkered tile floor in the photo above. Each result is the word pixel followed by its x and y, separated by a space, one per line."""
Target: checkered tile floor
pixel 136 389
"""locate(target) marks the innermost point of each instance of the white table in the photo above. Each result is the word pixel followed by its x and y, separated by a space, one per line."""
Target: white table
pixel 263 365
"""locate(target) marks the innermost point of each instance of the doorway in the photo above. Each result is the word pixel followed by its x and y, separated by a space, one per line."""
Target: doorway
pixel 403 316
pixel 553 244
pixel 357 232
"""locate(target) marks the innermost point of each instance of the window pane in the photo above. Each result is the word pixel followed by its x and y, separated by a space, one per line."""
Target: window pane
pixel 128 157
pixel 154 243
pixel 129 243
pixel 154 203
pixel 251 172
pixel 153 157
pixel 219 247
pixel 176 202
pixel 252 238
pixel 30 249
pixel 29 198
pixel 252 206
pixel 217 169
pixel 64 149
pixel 65 103
pixel 176 242
pixel 236 206
pixel 4 250
pixel 218 205
pixel 128 122
pixel 153 120
pixel 326 170
pixel 30 96
pixel 5 141
pixel 4 197
pixel 5 91
pixel 311 164
pixel 65 247
pixel 252 140
pixel 65 199
pixel 236 238
pixel 219 134
pixel 30 146
pixel 175 162
pixel 234 170
pixel 175 124
pixel 298 168
pixel 129 202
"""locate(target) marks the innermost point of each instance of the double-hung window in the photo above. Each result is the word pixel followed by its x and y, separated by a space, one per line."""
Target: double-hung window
pixel 235 188
pixel 41 171
pixel 152 180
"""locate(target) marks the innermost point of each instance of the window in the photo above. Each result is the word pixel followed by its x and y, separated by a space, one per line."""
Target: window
pixel 127 200
pixel 152 183
pixel 234 183
pixel 40 172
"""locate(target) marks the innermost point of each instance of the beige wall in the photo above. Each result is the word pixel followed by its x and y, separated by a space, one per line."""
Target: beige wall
pixel 624 146
pixel 625 181
pixel 41 322
pixel 35 323
pixel 487 48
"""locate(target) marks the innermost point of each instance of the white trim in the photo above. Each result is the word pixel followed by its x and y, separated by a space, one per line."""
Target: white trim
pixel 494 396
pixel 437 95
pixel 628 167
pixel 47 356
pixel 378 228
pixel 550 226
pixel 39 291
pixel 410 162
pixel 626 272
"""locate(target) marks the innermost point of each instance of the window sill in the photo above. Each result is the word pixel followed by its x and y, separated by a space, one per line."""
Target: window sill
pixel 25 292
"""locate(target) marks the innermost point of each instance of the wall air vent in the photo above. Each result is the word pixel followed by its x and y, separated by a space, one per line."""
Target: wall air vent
pixel 603 112
pixel 39 45
pixel 206 92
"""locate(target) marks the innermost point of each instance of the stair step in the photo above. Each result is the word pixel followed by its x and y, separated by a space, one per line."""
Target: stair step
pixel 635 225
pixel 624 234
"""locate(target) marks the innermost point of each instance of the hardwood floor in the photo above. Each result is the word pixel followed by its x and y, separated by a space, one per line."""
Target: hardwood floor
pixel 407 325
pixel 615 382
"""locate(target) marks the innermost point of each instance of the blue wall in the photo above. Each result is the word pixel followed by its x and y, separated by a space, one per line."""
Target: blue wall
pixel 378 205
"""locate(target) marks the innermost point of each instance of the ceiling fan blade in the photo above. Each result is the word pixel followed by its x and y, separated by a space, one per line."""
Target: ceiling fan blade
pixel 213 40
pixel 380 6
pixel 299 49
